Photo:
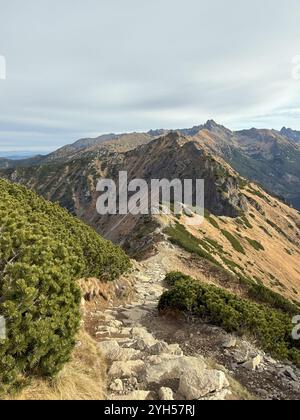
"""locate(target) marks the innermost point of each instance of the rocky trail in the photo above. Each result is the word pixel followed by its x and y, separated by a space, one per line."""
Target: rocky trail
pixel 154 357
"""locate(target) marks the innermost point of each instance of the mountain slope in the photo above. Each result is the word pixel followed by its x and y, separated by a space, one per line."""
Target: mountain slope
pixel 268 157
pixel 263 156
pixel 291 134
pixel 246 212
pixel 73 183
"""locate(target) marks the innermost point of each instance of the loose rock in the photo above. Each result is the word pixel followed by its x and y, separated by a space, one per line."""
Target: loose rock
pixel 166 394
pixel 117 386
pixel 254 363
pixel 193 385
pixel 126 369
pixel 229 343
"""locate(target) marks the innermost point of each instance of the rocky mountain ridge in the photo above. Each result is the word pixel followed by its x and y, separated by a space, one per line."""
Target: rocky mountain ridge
pixel 268 157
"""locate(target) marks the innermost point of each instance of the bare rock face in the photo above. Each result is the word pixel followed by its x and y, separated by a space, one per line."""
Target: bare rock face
pixel 193 385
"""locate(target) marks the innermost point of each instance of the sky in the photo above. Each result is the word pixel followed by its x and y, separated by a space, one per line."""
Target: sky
pixel 79 68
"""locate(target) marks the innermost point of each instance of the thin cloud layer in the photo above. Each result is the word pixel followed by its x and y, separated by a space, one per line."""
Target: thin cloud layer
pixel 77 69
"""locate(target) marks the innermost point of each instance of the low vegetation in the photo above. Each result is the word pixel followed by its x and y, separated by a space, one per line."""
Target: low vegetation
pixel 253 288
pixel 234 241
pixel 270 327
pixel 255 244
pixel 43 249
pixel 181 237
pixel 211 219
pixel 83 378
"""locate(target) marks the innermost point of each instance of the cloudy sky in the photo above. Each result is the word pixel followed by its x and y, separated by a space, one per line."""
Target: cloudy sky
pixel 79 68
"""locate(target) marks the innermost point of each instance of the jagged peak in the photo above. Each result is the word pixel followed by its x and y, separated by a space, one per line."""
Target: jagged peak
pixel 210 124
pixel 288 130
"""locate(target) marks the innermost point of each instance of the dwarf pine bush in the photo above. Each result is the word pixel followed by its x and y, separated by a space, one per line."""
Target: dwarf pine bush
pixel 270 327
pixel 43 250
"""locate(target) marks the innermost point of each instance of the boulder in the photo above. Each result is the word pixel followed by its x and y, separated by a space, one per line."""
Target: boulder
pixel 159 348
pixel 108 348
pixel 254 363
pixel 113 352
pixel 142 334
pixel 166 394
pixel 163 348
pixel 241 356
pixel 229 343
pixel 195 385
pixel 188 212
pixel 117 386
pixel 115 324
pixel 154 360
pixel 129 369
pixel 174 368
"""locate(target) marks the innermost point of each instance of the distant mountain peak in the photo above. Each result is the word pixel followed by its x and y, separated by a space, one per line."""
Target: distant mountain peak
pixel 291 134
pixel 210 124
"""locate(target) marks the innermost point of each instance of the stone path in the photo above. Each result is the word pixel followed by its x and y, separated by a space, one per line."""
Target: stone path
pixel 142 367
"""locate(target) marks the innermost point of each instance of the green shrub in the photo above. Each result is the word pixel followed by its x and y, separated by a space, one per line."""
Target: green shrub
pixel 246 221
pixel 263 294
pixel 43 250
pixel 213 222
pixel 255 244
pixel 234 241
pixel 259 194
pixel 173 277
pixel 271 328
pixel 215 245
pixel 232 265
pixel 210 219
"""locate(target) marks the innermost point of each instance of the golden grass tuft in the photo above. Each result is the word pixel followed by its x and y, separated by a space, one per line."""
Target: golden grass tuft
pixel 83 378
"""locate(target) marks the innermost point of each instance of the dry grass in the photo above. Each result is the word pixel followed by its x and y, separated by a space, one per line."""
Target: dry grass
pixel 83 378
pixel 273 265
